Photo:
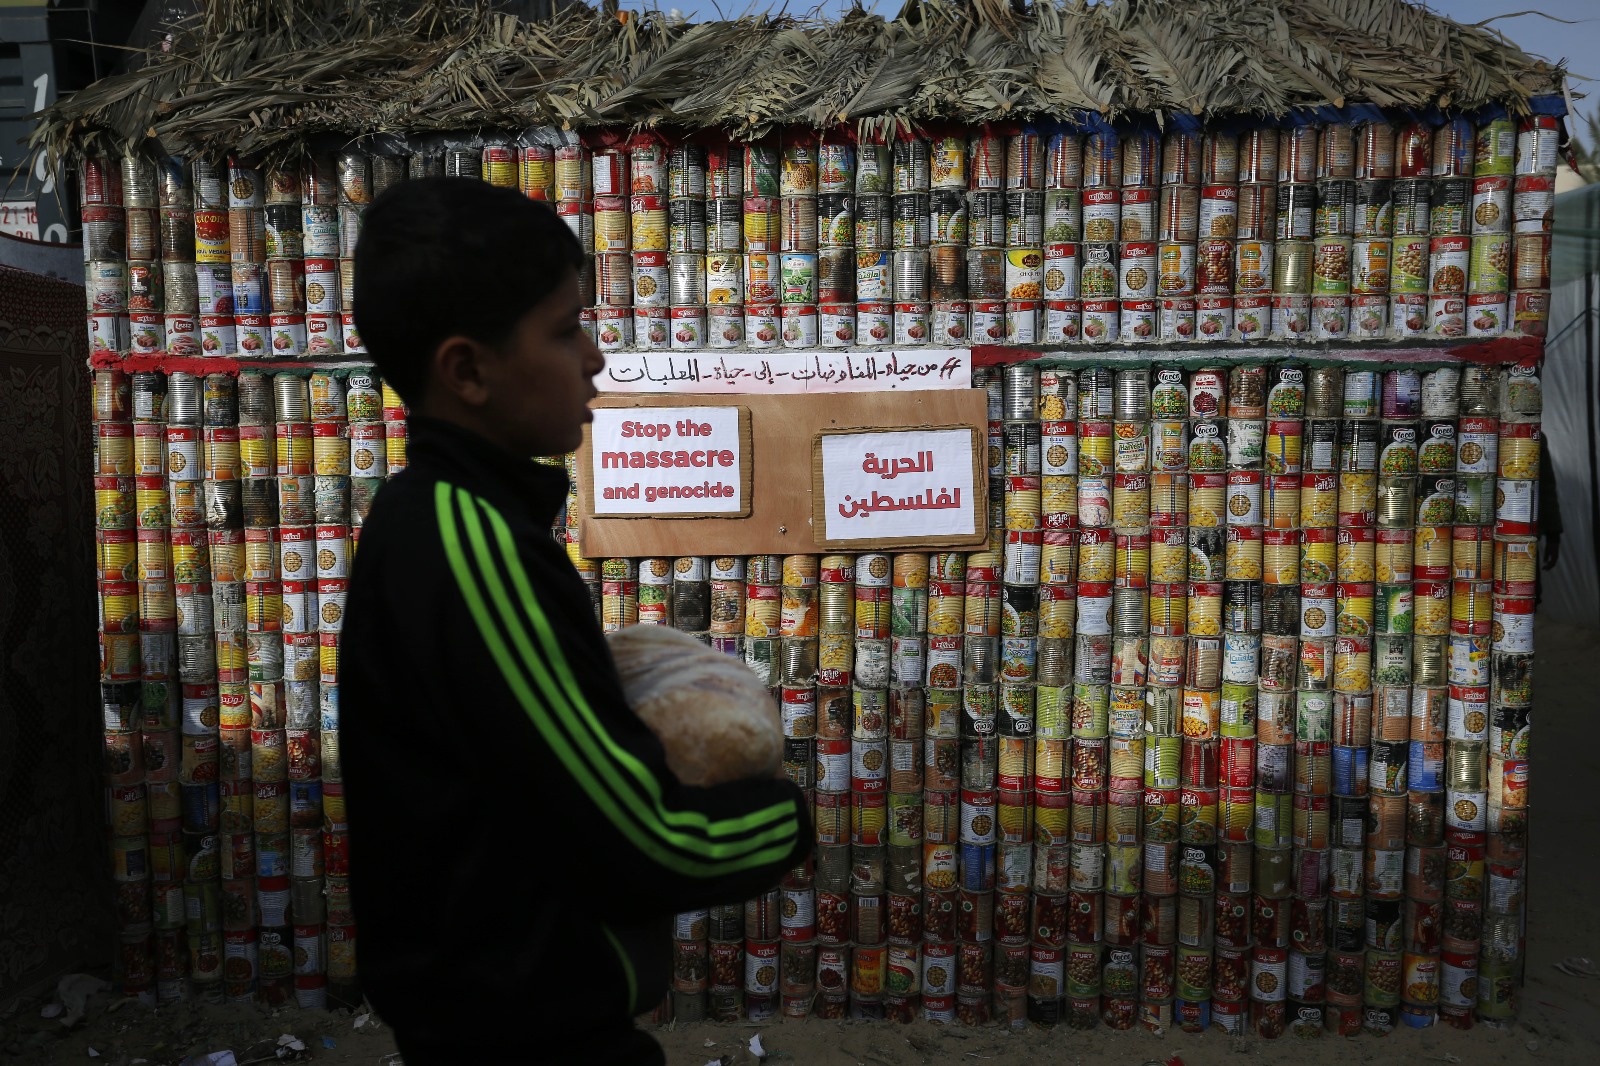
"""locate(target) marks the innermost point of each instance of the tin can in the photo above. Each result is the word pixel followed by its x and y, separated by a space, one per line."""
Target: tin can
pixel 1450 208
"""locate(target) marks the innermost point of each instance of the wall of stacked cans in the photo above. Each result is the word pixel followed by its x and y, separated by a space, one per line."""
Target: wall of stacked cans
pixel 227 513
pixel 1229 726
pixel 1365 230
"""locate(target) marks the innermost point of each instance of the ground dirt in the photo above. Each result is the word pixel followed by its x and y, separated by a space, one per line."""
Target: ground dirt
pixel 1559 1021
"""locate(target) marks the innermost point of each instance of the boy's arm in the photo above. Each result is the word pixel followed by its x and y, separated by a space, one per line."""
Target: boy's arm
pixel 634 831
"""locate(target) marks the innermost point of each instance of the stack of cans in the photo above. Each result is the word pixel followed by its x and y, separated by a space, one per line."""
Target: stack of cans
pixel 1412 210
pixel 874 243
pixel 836 236
pixel 1017 673
pixel 977 828
pixel 691 965
pixel 202 464
pixel 948 234
pixel 724 263
pixel 180 320
pixel 1489 270
pixel 282 648
pixel 1063 230
pixel 686 237
pixel 1050 877
pixel 1450 224
pixel 653 298
pixel 1104 610
pixel 1102 224
pixel 941 774
pixel 1185 156
pixel 908 599
pixel 1254 221
pixel 1511 666
pixel 1333 229
pixel 1216 220
pixel 1024 277
pixel 211 659
pixel 205 653
pixel 1294 261
pixel 613 243
pixel 762 240
pixel 619 593
pixel 146 278
pixel 1218 223
pixel 797 240
pixel 1225 541
pixel 256 297
pixel 348 182
pixel 912 231
pixel 104 254
pixel 213 264
pixel 1465 795
pixel 1138 263
pixel 126 717
pixel 162 670
pixel 1533 215
pixel 1114 746
pixel 873 774
pixel 1371 276
pixel 298 226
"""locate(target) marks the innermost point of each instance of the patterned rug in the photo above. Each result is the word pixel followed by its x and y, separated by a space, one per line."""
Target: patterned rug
pixel 54 868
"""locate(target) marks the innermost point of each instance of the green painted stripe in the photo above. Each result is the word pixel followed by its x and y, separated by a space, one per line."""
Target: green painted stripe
pixel 556 701
pixel 553 736
pixel 627 969
pixel 575 699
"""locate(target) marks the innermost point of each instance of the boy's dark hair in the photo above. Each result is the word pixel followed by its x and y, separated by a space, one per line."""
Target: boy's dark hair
pixel 442 257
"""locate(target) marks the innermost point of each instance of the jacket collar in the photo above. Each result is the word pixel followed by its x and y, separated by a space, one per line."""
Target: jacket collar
pixel 542 487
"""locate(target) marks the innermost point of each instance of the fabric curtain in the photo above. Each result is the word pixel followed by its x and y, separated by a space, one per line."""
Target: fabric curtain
pixel 54 863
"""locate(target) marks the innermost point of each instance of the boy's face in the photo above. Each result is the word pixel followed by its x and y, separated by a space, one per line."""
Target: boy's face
pixel 540 381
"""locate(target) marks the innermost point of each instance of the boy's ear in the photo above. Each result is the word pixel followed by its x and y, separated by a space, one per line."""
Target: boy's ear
pixel 458 370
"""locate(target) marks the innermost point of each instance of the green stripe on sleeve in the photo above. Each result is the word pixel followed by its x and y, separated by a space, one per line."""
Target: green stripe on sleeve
pixel 552 735
pixel 575 699
pixel 554 699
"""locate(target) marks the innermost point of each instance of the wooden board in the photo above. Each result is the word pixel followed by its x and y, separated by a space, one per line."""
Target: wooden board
pixel 783 429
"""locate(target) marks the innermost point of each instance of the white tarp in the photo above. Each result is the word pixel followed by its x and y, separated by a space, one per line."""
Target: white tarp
pixel 1572 407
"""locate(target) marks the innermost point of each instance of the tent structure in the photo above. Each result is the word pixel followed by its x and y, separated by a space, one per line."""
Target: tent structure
pixel 1572 406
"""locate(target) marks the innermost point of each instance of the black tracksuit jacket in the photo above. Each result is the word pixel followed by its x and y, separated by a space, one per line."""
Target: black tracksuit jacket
pixel 518 844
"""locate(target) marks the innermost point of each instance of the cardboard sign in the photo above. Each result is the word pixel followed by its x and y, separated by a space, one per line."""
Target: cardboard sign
pixel 880 488
pixel 670 462
pixel 777 450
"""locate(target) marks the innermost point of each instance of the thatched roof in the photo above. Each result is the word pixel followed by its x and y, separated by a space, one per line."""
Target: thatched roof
pixel 254 75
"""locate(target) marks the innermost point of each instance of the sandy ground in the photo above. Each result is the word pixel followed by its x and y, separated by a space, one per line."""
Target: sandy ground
pixel 1559 1021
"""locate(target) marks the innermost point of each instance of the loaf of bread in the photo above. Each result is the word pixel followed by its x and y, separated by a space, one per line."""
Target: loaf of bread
pixel 712 715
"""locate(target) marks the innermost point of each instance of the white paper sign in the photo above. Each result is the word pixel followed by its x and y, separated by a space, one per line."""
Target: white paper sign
pixel 784 372
pixel 20 218
pixel 898 484
pixel 665 461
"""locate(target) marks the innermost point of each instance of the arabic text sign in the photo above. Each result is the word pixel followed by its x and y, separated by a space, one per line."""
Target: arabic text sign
pixel 913 486
pixel 780 372
pixel 670 462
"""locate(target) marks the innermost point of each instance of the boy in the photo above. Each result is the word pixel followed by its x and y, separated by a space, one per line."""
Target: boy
pixel 519 843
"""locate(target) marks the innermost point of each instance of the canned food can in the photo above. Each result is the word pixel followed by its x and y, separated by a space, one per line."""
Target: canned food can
pixel 1450 208
pixel 1533 204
